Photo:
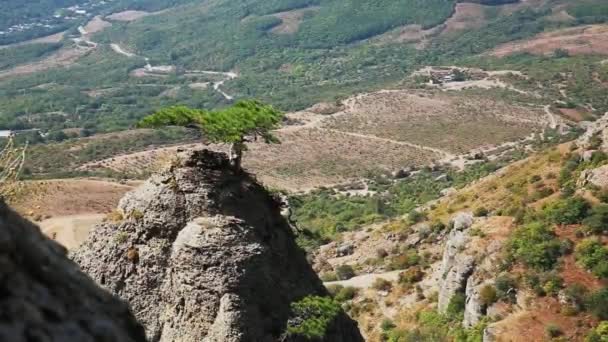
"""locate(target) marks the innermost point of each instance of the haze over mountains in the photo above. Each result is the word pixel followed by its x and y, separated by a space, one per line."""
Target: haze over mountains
pixel 442 162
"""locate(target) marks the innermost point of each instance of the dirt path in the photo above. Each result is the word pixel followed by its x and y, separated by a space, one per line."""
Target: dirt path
pixel 443 153
pixel 366 280
pixel 121 51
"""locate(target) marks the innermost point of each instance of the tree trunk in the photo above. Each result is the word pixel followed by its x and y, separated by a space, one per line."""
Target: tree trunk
pixel 236 155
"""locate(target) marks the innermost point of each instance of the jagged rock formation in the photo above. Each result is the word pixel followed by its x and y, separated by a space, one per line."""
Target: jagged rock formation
pixel 203 254
pixel 456 267
pixel 45 296
pixel 469 263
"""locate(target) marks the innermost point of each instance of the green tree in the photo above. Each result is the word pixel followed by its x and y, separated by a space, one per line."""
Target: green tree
pixel 237 125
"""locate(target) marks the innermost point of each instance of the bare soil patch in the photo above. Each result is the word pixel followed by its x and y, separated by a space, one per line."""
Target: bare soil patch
pixel 588 39
pixel 96 25
pixel 72 230
pixel 291 20
pixel 128 15
pixel 63 57
pixel 466 16
pixel 54 38
pixel 55 198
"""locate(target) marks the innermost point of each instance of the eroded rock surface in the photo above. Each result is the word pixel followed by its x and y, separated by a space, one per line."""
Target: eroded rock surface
pixel 203 254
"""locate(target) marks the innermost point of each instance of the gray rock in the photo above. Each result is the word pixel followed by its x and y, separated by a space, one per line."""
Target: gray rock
pixel 46 297
pixel 345 249
pixel 204 255
pixel 597 177
pixel 456 267
pixel 462 221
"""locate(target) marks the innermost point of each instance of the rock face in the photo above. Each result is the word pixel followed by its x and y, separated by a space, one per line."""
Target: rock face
pixel 45 296
pixel 456 267
pixel 203 254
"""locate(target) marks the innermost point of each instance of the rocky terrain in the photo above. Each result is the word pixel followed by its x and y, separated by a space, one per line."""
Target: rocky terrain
pixel 203 253
pixel 46 297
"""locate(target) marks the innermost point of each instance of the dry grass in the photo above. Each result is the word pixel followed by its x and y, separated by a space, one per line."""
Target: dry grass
pixel 127 15
pixel 63 57
pixel 450 122
pixel 589 39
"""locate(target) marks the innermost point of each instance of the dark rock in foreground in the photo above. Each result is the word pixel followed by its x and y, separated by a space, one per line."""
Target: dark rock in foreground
pixel 45 297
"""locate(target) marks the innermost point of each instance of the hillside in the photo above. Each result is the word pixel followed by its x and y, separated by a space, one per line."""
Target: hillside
pixel 519 254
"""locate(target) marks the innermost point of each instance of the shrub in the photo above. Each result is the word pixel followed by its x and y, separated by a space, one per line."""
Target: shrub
pixel 334 289
pixel 381 253
pixel 345 293
pixel 599 334
pixel 456 305
pixel 411 275
pixel 329 276
pixel 311 316
pixel 576 294
pixel 344 272
pixel 592 255
pixel 534 245
pixel 381 284
pixel 597 221
pixel 567 211
pixel 415 216
pixel 407 259
pixel 597 303
pixel 535 178
pixel 553 331
pixel 387 325
pixel 481 211
pixel 488 295
pixel 505 287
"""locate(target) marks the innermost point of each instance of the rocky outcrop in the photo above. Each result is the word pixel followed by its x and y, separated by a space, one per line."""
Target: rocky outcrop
pixel 456 267
pixel 203 254
pixel 46 297
pixel 598 177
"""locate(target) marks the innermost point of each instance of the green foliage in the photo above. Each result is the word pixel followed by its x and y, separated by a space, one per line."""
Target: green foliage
pixel 599 333
pixel 597 221
pixel 567 211
pixel 229 125
pixel 481 211
pixel 592 255
pixel 553 331
pixel 346 293
pixel 597 303
pixel 534 245
pixel 311 316
pixel 456 305
pixel 344 272
pixel 26 53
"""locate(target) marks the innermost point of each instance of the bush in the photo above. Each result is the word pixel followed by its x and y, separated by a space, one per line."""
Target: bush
pixel 411 275
pixel 488 295
pixel 381 284
pixel 534 245
pixel 408 259
pixel 505 287
pixel 481 211
pixel 329 276
pixel 345 293
pixel 597 221
pixel 344 272
pixel 381 253
pixel 311 316
pixel 567 211
pixel 387 325
pixel 592 255
pixel 599 334
pixel 553 331
pixel 415 216
pixel 456 305
pixel 597 303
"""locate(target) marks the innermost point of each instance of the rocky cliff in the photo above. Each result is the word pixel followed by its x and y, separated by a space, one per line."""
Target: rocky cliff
pixel 203 254
pixel 45 296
